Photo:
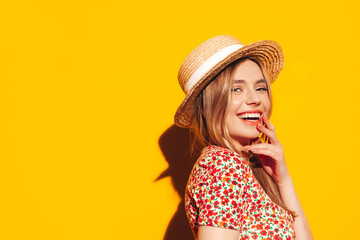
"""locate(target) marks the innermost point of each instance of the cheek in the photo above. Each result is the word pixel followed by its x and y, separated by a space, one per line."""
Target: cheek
pixel 232 109
pixel 234 104
pixel 268 110
pixel 266 102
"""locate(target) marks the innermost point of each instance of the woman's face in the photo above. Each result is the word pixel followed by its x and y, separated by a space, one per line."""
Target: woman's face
pixel 248 102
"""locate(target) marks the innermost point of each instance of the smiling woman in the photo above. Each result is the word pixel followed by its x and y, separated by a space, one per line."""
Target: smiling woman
pixel 240 186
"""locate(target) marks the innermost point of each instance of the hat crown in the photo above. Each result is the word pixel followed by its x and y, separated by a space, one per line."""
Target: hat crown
pixel 202 53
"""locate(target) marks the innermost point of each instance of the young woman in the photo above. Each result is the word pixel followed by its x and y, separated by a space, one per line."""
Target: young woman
pixel 240 187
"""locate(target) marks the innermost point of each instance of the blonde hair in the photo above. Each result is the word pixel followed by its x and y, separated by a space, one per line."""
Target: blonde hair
pixel 208 125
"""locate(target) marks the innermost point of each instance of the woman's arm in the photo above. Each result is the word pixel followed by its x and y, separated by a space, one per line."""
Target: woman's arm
pixel 291 201
pixel 216 187
pixel 273 161
pixel 217 233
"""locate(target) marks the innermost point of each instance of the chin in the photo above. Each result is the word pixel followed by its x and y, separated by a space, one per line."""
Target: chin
pixel 250 135
pixel 244 140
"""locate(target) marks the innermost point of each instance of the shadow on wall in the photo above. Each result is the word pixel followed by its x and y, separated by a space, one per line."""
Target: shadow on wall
pixel 176 146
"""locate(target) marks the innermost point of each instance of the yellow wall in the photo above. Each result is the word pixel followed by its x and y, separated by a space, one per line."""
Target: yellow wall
pixel 88 87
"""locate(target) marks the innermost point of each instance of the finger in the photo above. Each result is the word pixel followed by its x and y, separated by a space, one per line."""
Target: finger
pixel 259 146
pixel 268 123
pixel 269 133
pixel 265 152
pixel 265 149
pixel 264 146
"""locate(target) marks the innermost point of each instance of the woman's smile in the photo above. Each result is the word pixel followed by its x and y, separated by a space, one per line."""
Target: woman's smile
pixel 251 117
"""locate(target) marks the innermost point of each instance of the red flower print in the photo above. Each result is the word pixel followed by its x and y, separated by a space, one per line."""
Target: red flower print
pixel 223 192
pixel 259 227
pixel 277 237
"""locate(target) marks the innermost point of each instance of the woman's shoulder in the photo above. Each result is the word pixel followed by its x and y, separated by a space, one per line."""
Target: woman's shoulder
pixel 219 165
pixel 218 156
pixel 220 152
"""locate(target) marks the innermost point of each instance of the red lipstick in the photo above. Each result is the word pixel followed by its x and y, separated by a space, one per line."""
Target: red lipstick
pixel 251 122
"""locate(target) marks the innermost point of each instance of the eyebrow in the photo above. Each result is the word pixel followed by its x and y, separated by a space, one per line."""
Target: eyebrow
pixel 257 82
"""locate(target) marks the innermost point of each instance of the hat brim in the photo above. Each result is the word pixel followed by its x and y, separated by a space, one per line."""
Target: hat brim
pixel 267 53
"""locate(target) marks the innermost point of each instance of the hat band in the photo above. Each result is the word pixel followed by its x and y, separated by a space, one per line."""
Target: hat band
pixel 207 65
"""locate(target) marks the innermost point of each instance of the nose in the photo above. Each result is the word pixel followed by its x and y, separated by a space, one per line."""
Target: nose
pixel 252 98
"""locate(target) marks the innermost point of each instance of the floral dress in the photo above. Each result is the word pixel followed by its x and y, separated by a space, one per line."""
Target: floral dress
pixel 223 192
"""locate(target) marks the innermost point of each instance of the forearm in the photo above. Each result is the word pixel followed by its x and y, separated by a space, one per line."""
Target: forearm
pixel 291 201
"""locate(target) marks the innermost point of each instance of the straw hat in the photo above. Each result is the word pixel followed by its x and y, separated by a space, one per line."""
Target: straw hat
pixel 211 57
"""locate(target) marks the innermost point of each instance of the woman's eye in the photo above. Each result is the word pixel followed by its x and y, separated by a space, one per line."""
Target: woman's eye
pixel 236 89
pixel 261 89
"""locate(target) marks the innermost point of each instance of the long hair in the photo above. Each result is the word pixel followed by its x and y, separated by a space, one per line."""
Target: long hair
pixel 208 119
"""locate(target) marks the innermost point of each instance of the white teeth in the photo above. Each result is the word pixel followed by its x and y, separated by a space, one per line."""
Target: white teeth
pixel 249 115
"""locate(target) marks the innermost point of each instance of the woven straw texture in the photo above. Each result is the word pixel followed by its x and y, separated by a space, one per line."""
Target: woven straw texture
pixel 266 52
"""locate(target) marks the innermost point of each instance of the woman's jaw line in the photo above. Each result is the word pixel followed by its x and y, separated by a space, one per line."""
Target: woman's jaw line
pixel 239 144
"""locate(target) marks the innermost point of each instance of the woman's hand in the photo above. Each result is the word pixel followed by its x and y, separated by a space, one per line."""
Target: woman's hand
pixel 271 154
pixel 272 158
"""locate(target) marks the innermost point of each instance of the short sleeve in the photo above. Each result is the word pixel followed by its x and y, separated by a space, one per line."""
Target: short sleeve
pixel 221 196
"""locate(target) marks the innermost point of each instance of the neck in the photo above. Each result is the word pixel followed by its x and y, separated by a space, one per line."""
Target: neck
pixel 236 146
